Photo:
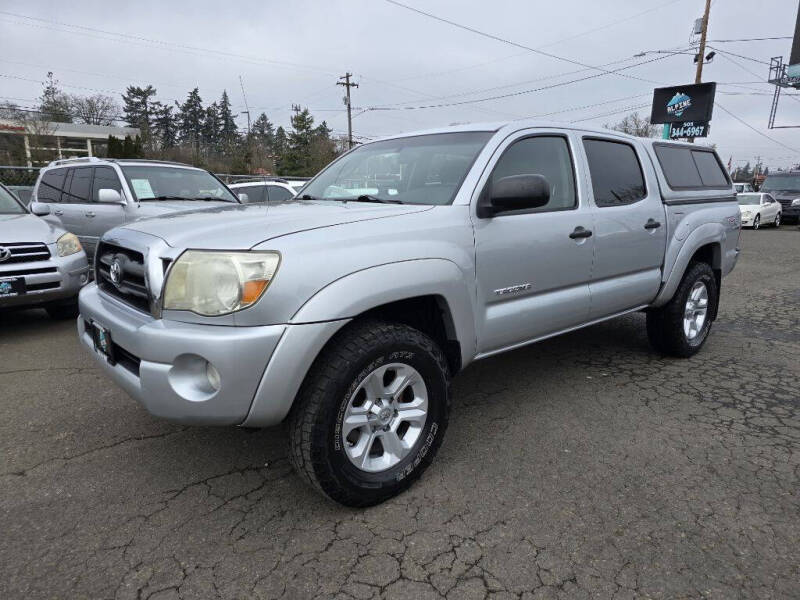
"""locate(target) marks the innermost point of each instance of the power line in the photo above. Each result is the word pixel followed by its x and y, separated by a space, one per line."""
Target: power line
pixel 518 93
pixel 746 124
pixel 509 42
pixel 755 60
pixel 761 39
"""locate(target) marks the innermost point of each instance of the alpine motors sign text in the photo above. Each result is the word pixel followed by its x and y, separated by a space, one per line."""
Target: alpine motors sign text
pixel 684 103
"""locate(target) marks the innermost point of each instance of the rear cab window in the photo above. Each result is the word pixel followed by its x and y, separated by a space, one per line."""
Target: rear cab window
pixel 691 168
pixel 617 177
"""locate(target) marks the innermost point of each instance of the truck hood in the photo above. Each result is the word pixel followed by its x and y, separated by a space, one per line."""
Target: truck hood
pixel 162 207
pixel 27 228
pixel 242 226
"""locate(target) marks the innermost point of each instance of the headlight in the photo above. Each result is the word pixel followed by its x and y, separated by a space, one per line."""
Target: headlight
pixel 746 214
pixel 218 283
pixel 68 244
pixel 796 202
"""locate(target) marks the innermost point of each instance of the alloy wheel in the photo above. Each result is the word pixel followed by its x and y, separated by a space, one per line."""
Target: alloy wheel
pixel 695 311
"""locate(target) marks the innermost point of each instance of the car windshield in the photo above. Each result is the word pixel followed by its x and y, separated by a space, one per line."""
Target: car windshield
pixel 9 204
pixel 152 182
pixel 425 169
pixel 747 199
pixel 782 183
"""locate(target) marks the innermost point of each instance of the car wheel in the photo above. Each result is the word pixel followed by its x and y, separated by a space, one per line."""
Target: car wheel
pixel 63 311
pixel 371 413
pixel 680 327
pixel 757 222
pixel 778 220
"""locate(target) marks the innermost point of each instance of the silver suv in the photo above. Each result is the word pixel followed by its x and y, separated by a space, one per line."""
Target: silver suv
pixel 40 265
pixel 347 311
pixel 89 196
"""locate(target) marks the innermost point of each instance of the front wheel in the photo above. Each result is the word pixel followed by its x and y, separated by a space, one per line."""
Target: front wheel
pixel 778 220
pixel 371 413
pixel 757 222
pixel 680 327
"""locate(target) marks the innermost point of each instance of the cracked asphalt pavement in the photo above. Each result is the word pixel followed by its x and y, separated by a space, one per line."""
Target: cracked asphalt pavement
pixel 583 466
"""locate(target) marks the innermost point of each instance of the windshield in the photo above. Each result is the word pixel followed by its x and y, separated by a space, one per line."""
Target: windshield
pixel 782 183
pixel 149 182
pixel 9 204
pixel 425 169
pixel 747 199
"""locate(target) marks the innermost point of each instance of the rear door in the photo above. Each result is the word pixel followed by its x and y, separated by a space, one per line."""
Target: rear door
pixel 629 226
pixel 76 203
pixel 532 276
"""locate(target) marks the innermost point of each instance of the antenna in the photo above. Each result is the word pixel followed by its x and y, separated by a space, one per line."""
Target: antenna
pixel 247 108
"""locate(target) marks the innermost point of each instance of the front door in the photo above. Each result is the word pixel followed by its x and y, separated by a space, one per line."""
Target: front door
pixel 103 216
pixel 629 227
pixel 533 267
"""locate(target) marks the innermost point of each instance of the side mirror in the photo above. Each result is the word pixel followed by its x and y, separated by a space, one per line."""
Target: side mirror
pixel 243 198
pixel 40 209
pixel 109 196
pixel 515 192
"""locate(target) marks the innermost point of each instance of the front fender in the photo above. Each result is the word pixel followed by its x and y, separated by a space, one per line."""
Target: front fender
pixel 680 255
pixel 363 290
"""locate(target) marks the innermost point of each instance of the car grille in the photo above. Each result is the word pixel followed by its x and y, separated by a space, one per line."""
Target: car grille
pixel 24 252
pixel 785 202
pixel 131 287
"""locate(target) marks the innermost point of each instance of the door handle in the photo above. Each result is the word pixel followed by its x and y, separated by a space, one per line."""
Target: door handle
pixel 652 224
pixel 90 214
pixel 580 232
pixel 58 213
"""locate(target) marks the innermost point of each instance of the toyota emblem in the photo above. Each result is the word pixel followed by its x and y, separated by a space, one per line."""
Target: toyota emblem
pixel 5 254
pixel 115 272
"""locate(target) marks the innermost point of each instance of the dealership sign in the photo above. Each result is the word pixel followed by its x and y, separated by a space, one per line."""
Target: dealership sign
pixel 683 104
pixel 688 129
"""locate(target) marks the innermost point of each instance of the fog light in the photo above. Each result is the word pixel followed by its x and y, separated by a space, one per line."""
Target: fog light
pixel 84 279
pixel 213 376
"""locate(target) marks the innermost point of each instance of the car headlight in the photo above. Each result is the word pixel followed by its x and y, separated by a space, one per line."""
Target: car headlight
pixel 796 202
pixel 212 283
pixel 68 244
pixel 746 214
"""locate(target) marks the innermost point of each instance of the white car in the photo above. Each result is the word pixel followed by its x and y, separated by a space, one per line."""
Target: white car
pixel 743 188
pixel 264 190
pixel 759 209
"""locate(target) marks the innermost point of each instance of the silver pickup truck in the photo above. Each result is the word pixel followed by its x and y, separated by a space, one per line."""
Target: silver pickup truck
pixel 347 310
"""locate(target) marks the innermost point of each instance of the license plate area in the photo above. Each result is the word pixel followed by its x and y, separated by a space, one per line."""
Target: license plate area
pixel 102 342
pixel 12 286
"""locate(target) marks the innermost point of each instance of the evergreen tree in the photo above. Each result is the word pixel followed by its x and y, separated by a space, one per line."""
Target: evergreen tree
pixel 228 130
pixel 263 131
pixel 297 158
pixel 139 107
pixel 212 128
pixel 165 124
pixel 54 105
pixel 190 117
pixel 280 148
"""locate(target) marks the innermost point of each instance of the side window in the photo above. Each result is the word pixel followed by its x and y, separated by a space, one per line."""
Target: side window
pixel 255 193
pixel 541 155
pixel 51 186
pixel 711 173
pixel 616 174
pixel 80 186
pixel 105 178
pixel 276 193
pixel 679 167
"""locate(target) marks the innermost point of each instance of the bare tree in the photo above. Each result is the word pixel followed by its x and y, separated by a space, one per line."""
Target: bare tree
pixel 94 110
pixel 634 124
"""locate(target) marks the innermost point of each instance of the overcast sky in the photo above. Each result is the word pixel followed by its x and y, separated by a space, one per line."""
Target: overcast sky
pixel 293 52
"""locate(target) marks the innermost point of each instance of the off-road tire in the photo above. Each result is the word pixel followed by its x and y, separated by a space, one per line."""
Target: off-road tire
pixel 665 324
pixel 357 350
pixel 63 311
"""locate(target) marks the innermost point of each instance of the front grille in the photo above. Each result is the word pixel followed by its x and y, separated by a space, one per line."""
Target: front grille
pixel 23 252
pixel 38 287
pixel 36 271
pixel 131 287
pixel 786 202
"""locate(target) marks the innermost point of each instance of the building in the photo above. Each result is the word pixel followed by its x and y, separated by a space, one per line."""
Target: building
pixel 37 143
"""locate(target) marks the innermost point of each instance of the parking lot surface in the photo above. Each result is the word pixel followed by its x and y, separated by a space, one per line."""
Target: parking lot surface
pixel 582 466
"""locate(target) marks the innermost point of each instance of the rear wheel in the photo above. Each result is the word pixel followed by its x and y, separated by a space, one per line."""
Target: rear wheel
pixel 680 327
pixel 778 220
pixel 63 311
pixel 371 414
pixel 757 222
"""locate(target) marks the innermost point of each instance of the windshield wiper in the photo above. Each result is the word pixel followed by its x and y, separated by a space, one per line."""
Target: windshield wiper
pixel 370 198
pixel 308 197
pixel 164 198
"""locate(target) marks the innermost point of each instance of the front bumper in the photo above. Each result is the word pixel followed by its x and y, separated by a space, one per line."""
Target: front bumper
pixel 47 281
pixel 161 363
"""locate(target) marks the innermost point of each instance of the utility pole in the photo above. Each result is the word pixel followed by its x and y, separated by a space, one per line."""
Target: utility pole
pixel 247 111
pixel 346 83
pixel 701 52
